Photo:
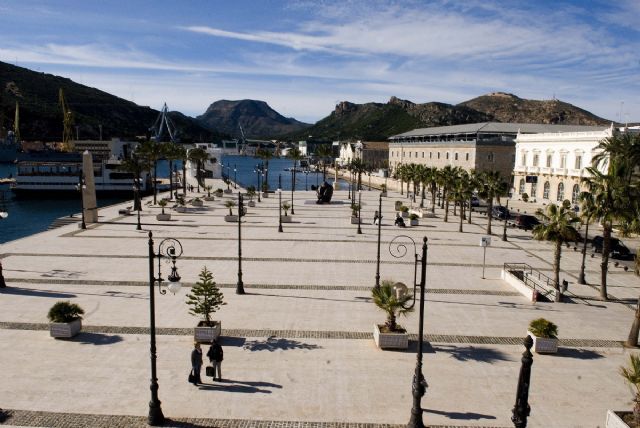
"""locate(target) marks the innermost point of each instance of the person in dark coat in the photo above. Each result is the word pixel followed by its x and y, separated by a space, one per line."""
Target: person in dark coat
pixel 399 221
pixel 196 362
pixel 216 355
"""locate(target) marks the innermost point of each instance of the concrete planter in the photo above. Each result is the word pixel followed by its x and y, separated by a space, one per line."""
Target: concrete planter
pixel 231 218
pixel 286 218
pixel 354 220
pixel 405 214
pixel 390 340
pixel 181 209
pixel 209 198
pixel 415 222
pixel 218 194
pixel 65 330
pixel 251 204
pixel 265 194
pixel 543 345
pixel 163 217
pixel 206 334
pixel 615 421
pixel 383 194
pixel 197 203
pixel 228 191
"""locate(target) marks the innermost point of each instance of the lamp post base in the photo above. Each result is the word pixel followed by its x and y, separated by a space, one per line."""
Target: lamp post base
pixel 156 417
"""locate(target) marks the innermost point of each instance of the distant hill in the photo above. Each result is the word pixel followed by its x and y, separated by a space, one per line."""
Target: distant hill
pixel 258 120
pixel 503 107
pixel 41 116
pixel 377 121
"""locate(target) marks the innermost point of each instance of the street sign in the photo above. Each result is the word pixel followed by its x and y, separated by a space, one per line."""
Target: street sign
pixel 485 241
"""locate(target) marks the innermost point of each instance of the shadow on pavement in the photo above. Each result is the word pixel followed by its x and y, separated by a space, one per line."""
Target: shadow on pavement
pixel 471 353
pixel 230 386
pixel 232 341
pixel 273 344
pixel 459 415
pixel 96 339
pixel 581 354
pixel 36 293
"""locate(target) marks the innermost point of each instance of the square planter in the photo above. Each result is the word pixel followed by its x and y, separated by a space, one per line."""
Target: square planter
pixel 354 220
pixel 251 204
pixel 614 420
pixel 65 330
pixel 218 194
pixel 390 340
pixel 231 218
pixel 415 222
pixel 265 194
pixel 286 218
pixel 228 191
pixel 543 345
pixel 163 217
pixel 206 334
pixel 197 203
pixel 209 198
pixel 181 209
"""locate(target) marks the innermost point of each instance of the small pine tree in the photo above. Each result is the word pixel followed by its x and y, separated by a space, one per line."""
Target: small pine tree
pixel 205 297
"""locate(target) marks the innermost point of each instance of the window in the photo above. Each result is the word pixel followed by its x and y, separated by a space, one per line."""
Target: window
pixel 545 190
pixel 438 155
pixel 467 156
pixel 430 155
pixel 575 194
pixel 521 186
pixel 422 155
pixel 560 196
pixel 523 159
pixel 456 156
pixel 549 159
pixel 447 155
pixel 536 159
pixel 534 190
pixel 578 164
pixel 563 160
pixel 416 155
pixel 409 154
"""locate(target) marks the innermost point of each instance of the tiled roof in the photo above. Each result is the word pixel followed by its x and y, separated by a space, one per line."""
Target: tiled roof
pixel 497 128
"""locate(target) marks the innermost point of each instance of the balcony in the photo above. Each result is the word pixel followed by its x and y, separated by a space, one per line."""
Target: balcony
pixel 560 171
pixel 520 168
pixel 545 170
pixel 576 172
pixel 533 169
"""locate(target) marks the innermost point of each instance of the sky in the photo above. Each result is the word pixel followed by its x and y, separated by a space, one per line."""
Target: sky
pixel 304 57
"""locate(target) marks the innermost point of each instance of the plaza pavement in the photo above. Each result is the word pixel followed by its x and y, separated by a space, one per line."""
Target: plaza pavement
pixel 298 346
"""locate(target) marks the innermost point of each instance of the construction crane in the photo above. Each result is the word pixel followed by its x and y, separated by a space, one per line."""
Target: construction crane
pixel 16 124
pixel 243 141
pixel 67 123
pixel 163 120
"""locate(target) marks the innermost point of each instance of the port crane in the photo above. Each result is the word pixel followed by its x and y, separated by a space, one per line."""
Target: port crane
pixel 163 120
pixel 67 122
pixel 243 141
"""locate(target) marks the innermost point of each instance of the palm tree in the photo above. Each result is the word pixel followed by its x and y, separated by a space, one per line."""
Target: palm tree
pixel 587 215
pixel 492 186
pixel 474 183
pixel 198 156
pixel 461 193
pixel 151 151
pixel 265 155
pixel 447 179
pixel 399 174
pixel 295 155
pixel 181 155
pixel 557 226
pixel 172 153
pixel 632 375
pixel 413 177
pixel 386 299
pixel 324 151
pixel 358 167
pixel 422 172
pixel 136 167
pixel 431 179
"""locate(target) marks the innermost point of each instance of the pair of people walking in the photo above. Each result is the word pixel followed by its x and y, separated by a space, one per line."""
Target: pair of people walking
pixel 215 355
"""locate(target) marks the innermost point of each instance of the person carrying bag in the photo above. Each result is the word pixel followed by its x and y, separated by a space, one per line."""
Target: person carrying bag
pixel 216 356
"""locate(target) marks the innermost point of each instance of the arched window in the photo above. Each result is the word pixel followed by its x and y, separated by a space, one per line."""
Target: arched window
pixel 534 188
pixel 521 186
pixel 545 191
pixel 575 193
pixel 560 196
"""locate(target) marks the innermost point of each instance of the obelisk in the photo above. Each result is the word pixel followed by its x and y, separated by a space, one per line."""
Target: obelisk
pixel 89 190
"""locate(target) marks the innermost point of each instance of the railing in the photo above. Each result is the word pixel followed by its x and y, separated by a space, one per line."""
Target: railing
pixel 532 278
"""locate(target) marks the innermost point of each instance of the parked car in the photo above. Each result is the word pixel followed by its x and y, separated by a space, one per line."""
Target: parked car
pixel 617 248
pixel 499 212
pixel 475 202
pixel 526 222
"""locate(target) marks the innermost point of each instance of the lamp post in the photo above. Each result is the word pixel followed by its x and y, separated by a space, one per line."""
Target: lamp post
pixel 240 285
pixel 235 176
pixel 506 216
pixel 306 179
pixel 279 202
pixel 258 174
pixel 3 284
pixel 137 204
pixel 521 408
pixel 3 211
pixel 379 235
pixel 359 211
pixel 172 249
pixel 293 186
pixel 80 187
pixel 419 384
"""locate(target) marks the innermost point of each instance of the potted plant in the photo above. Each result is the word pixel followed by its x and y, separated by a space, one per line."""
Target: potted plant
pixel 545 336
pixel 228 183
pixel 265 194
pixel 197 202
pixel 631 374
pixel 251 192
pixel 181 208
pixel 286 218
pixel 66 319
pixel 209 197
pixel 219 192
pixel 413 220
pixel 205 299
pixel 383 189
pixel 390 334
pixel 163 216
pixel 355 208
pixel 405 211
pixel 230 218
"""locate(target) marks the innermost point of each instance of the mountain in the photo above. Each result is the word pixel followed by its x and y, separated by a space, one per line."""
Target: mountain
pixel 258 120
pixel 377 121
pixel 504 107
pixel 41 115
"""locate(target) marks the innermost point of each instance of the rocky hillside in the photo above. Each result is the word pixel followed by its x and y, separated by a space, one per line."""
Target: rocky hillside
pixel 258 120
pixel 503 107
pixel 41 115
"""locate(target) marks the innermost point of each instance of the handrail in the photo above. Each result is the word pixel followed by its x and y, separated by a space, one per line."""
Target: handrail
pixel 544 285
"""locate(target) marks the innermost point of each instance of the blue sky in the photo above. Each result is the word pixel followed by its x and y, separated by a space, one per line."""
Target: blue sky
pixel 302 57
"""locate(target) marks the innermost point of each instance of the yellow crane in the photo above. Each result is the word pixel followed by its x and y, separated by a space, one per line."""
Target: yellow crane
pixel 16 124
pixel 67 123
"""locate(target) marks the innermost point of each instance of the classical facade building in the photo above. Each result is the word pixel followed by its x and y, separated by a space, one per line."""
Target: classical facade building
pixel 550 165
pixel 486 146
pixel 373 153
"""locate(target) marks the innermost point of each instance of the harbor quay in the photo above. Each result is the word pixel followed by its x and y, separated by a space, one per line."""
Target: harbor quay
pixel 298 345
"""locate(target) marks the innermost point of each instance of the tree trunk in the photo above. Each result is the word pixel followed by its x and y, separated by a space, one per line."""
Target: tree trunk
pixel 604 266
pixel 632 340
pixel 422 195
pixel 391 322
pixel 170 179
pixel 155 179
pixel 455 208
pixel 434 190
pixel 581 278
pixel 461 218
pixel 401 186
pixel 556 268
pixel 184 177
pixel 470 211
pixel 446 210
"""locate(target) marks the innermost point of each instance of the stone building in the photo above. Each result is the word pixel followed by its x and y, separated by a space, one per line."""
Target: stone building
pixel 373 153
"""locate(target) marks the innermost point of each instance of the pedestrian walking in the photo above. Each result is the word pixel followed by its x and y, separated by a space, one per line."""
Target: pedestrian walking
pixel 216 355
pixel 376 217
pixel 196 363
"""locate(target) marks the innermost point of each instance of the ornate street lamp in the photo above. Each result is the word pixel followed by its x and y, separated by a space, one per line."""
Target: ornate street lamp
pixel 258 172
pixel 240 285
pixel 379 234
pixel 521 409
pixel 279 190
pixel 306 178
pixel 293 186
pixel 137 203
pixel 359 211
pixel 80 188
pixel 419 385
pixel 3 284
pixel 235 177
pixel 168 248
pixel 506 216
pixel 3 211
